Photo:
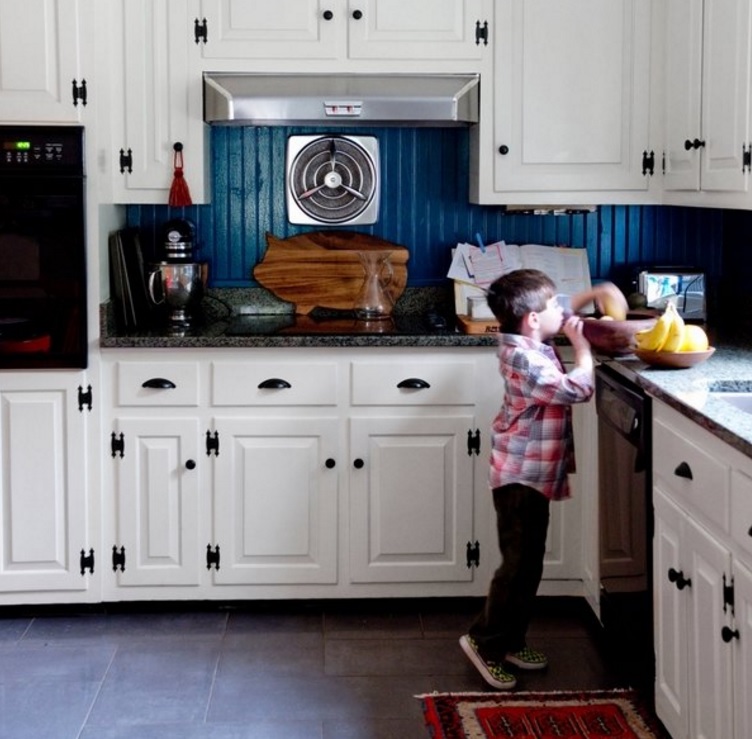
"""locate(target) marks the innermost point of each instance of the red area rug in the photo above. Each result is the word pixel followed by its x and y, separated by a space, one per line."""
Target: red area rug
pixel 568 715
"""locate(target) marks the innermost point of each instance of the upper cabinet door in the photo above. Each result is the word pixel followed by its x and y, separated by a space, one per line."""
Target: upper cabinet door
pixel 259 29
pixel 40 47
pixel 417 29
pixel 572 94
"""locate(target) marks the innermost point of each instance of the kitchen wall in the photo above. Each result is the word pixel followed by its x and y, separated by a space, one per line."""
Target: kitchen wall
pixel 424 207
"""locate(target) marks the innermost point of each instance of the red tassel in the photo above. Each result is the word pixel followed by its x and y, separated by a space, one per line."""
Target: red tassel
pixel 179 192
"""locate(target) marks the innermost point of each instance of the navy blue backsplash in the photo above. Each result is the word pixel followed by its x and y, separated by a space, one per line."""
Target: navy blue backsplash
pixel 424 206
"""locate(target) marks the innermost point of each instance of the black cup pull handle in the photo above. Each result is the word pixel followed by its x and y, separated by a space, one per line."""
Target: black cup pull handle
pixel 413 383
pixel 159 383
pixel 274 383
pixel 684 470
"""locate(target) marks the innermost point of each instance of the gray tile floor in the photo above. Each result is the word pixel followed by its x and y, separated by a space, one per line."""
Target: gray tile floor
pixel 292 670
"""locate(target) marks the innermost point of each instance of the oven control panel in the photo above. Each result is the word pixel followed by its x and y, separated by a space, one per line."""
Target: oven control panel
pixel 31 148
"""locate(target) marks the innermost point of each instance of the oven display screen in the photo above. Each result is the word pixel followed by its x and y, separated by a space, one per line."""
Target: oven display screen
pixel 16 145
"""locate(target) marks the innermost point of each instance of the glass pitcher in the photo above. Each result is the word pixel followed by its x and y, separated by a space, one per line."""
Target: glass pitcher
pixel 374 300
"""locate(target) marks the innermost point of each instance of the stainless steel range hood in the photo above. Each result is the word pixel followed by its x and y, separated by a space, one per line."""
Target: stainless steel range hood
pixel 341 99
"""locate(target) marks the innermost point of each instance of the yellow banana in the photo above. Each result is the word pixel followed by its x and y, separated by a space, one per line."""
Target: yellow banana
pixel 653 339
pixel 675 337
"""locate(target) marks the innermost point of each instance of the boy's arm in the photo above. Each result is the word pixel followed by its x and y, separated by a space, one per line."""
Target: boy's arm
pixel 609 299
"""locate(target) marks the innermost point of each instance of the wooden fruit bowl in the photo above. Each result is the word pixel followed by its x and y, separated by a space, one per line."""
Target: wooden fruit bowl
pixel 615 338
pixel 674 360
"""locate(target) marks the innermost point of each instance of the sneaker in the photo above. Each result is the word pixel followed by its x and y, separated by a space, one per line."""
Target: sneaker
pixel 492 672
pixel 527 659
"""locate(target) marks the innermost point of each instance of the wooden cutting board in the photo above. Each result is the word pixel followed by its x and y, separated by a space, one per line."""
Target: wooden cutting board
pixel 322 269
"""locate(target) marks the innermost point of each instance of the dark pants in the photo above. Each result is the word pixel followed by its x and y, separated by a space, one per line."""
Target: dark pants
pixel 522 524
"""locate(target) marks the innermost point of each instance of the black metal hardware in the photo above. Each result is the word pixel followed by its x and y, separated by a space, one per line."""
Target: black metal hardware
pixel 190 464
pixel 481 33
pixel 212 443
pixel 648 162
pixel 696 144
pixel 677 577
pixel 212 557
pixel 330 463
pixel 357 14
pixel 746 157
pixel 473 442
pixel 117 444
pixel 84 398
pixel 473 555
pixel 118 559
pixel 749 533
pixel 79 92
pixel 200 30
pixel 503 150
pixel 684 470
pixel 728 594
pixel 358 464
pixel 126 161
pixel 159 383
pixel 328 15
pixel 413 383
pixel 87 561
pixel 274 383
pixel 728 634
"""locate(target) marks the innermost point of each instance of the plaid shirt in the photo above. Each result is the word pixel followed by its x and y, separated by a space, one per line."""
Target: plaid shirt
pixel 532 434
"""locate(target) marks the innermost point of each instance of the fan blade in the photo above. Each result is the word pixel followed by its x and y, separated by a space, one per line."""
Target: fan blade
pixel 312 191
pixel 353 192
pixel 332 153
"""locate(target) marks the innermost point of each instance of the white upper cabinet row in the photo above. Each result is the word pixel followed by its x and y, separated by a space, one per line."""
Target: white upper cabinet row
pixel 583 102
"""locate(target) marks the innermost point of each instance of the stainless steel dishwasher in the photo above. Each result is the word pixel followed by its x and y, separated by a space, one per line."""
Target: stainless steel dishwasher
pixel 625 517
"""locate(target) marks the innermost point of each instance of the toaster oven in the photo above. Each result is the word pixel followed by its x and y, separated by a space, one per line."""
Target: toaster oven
pixel 683 287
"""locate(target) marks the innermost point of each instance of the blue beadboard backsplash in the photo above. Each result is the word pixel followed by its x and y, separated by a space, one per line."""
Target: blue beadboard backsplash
pixel 424 206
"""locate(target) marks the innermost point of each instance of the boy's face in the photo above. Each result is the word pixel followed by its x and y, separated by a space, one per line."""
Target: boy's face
pixel 551 319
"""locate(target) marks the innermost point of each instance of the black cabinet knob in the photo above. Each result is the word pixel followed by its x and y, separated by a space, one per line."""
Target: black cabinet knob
pixel 190 465
pixel 330 463
pixel 728 634
pixel 328 15
pixel 358 464
pixel 357 14
pixel 503 150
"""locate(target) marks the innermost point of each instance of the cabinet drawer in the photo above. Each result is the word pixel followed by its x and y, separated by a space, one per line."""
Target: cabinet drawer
pixel 741 512
pixel 157 383
pixel 413 383
pixel 692 473
pixel 274 383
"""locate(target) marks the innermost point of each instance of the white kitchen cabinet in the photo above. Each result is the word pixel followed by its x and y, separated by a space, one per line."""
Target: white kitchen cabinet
pixel 156 96
pixel 247 31
pixel 47 553
pixel 701 581
pixel 707 95
pixel 569 119
pixel 45 71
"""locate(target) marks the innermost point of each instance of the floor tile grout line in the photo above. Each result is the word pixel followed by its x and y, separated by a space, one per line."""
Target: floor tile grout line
pixel 99 691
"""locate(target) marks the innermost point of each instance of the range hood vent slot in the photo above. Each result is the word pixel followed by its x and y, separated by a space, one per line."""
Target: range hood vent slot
pixel 341 99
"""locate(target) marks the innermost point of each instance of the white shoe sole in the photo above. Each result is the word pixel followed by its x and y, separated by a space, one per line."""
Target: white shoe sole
pixel 522 665
pixel 482 668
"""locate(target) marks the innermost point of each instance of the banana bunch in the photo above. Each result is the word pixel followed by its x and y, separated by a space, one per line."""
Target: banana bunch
pixel 671 334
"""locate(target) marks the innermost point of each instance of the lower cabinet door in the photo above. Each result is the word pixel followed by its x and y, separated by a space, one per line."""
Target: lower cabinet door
pixel 157 502
pixel 275 500
pixel 44 543
pixel 411 499
pixel 743 650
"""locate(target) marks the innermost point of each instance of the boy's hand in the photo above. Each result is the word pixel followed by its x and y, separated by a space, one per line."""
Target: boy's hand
pixel 611 301
pixel 573 330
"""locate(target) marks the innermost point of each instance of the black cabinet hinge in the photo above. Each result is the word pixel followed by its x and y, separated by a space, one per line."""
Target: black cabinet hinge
pixel 481 33
pixel 79 92
pixel 473 442
pixel 87 561
pixel 728 595
pixel 118 559
pixel 117 444
pixel 212 443
pixel 648 163
pixel 473 554
pixel 212 557
pixel 126 161
pixel 84 398
pixel 746 157
pixel 200 30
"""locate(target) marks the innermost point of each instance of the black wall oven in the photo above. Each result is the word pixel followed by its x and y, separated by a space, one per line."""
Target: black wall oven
pixel 42 248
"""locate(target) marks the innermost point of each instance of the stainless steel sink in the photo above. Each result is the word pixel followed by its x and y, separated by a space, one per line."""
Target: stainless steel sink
pixel 742 401
pixel 735 393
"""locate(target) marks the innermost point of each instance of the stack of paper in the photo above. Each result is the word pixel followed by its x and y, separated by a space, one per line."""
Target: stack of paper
pixel 473 269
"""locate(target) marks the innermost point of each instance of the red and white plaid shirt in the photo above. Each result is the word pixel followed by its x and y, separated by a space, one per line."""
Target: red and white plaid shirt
pixel 532 434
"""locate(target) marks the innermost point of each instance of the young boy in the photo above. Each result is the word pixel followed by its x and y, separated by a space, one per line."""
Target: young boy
pixel 533 452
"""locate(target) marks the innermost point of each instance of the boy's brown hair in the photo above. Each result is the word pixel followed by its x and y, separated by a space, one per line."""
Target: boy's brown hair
pixel 512 296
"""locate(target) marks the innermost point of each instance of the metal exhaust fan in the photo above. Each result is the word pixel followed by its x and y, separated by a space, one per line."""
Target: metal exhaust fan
pixel 332 179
